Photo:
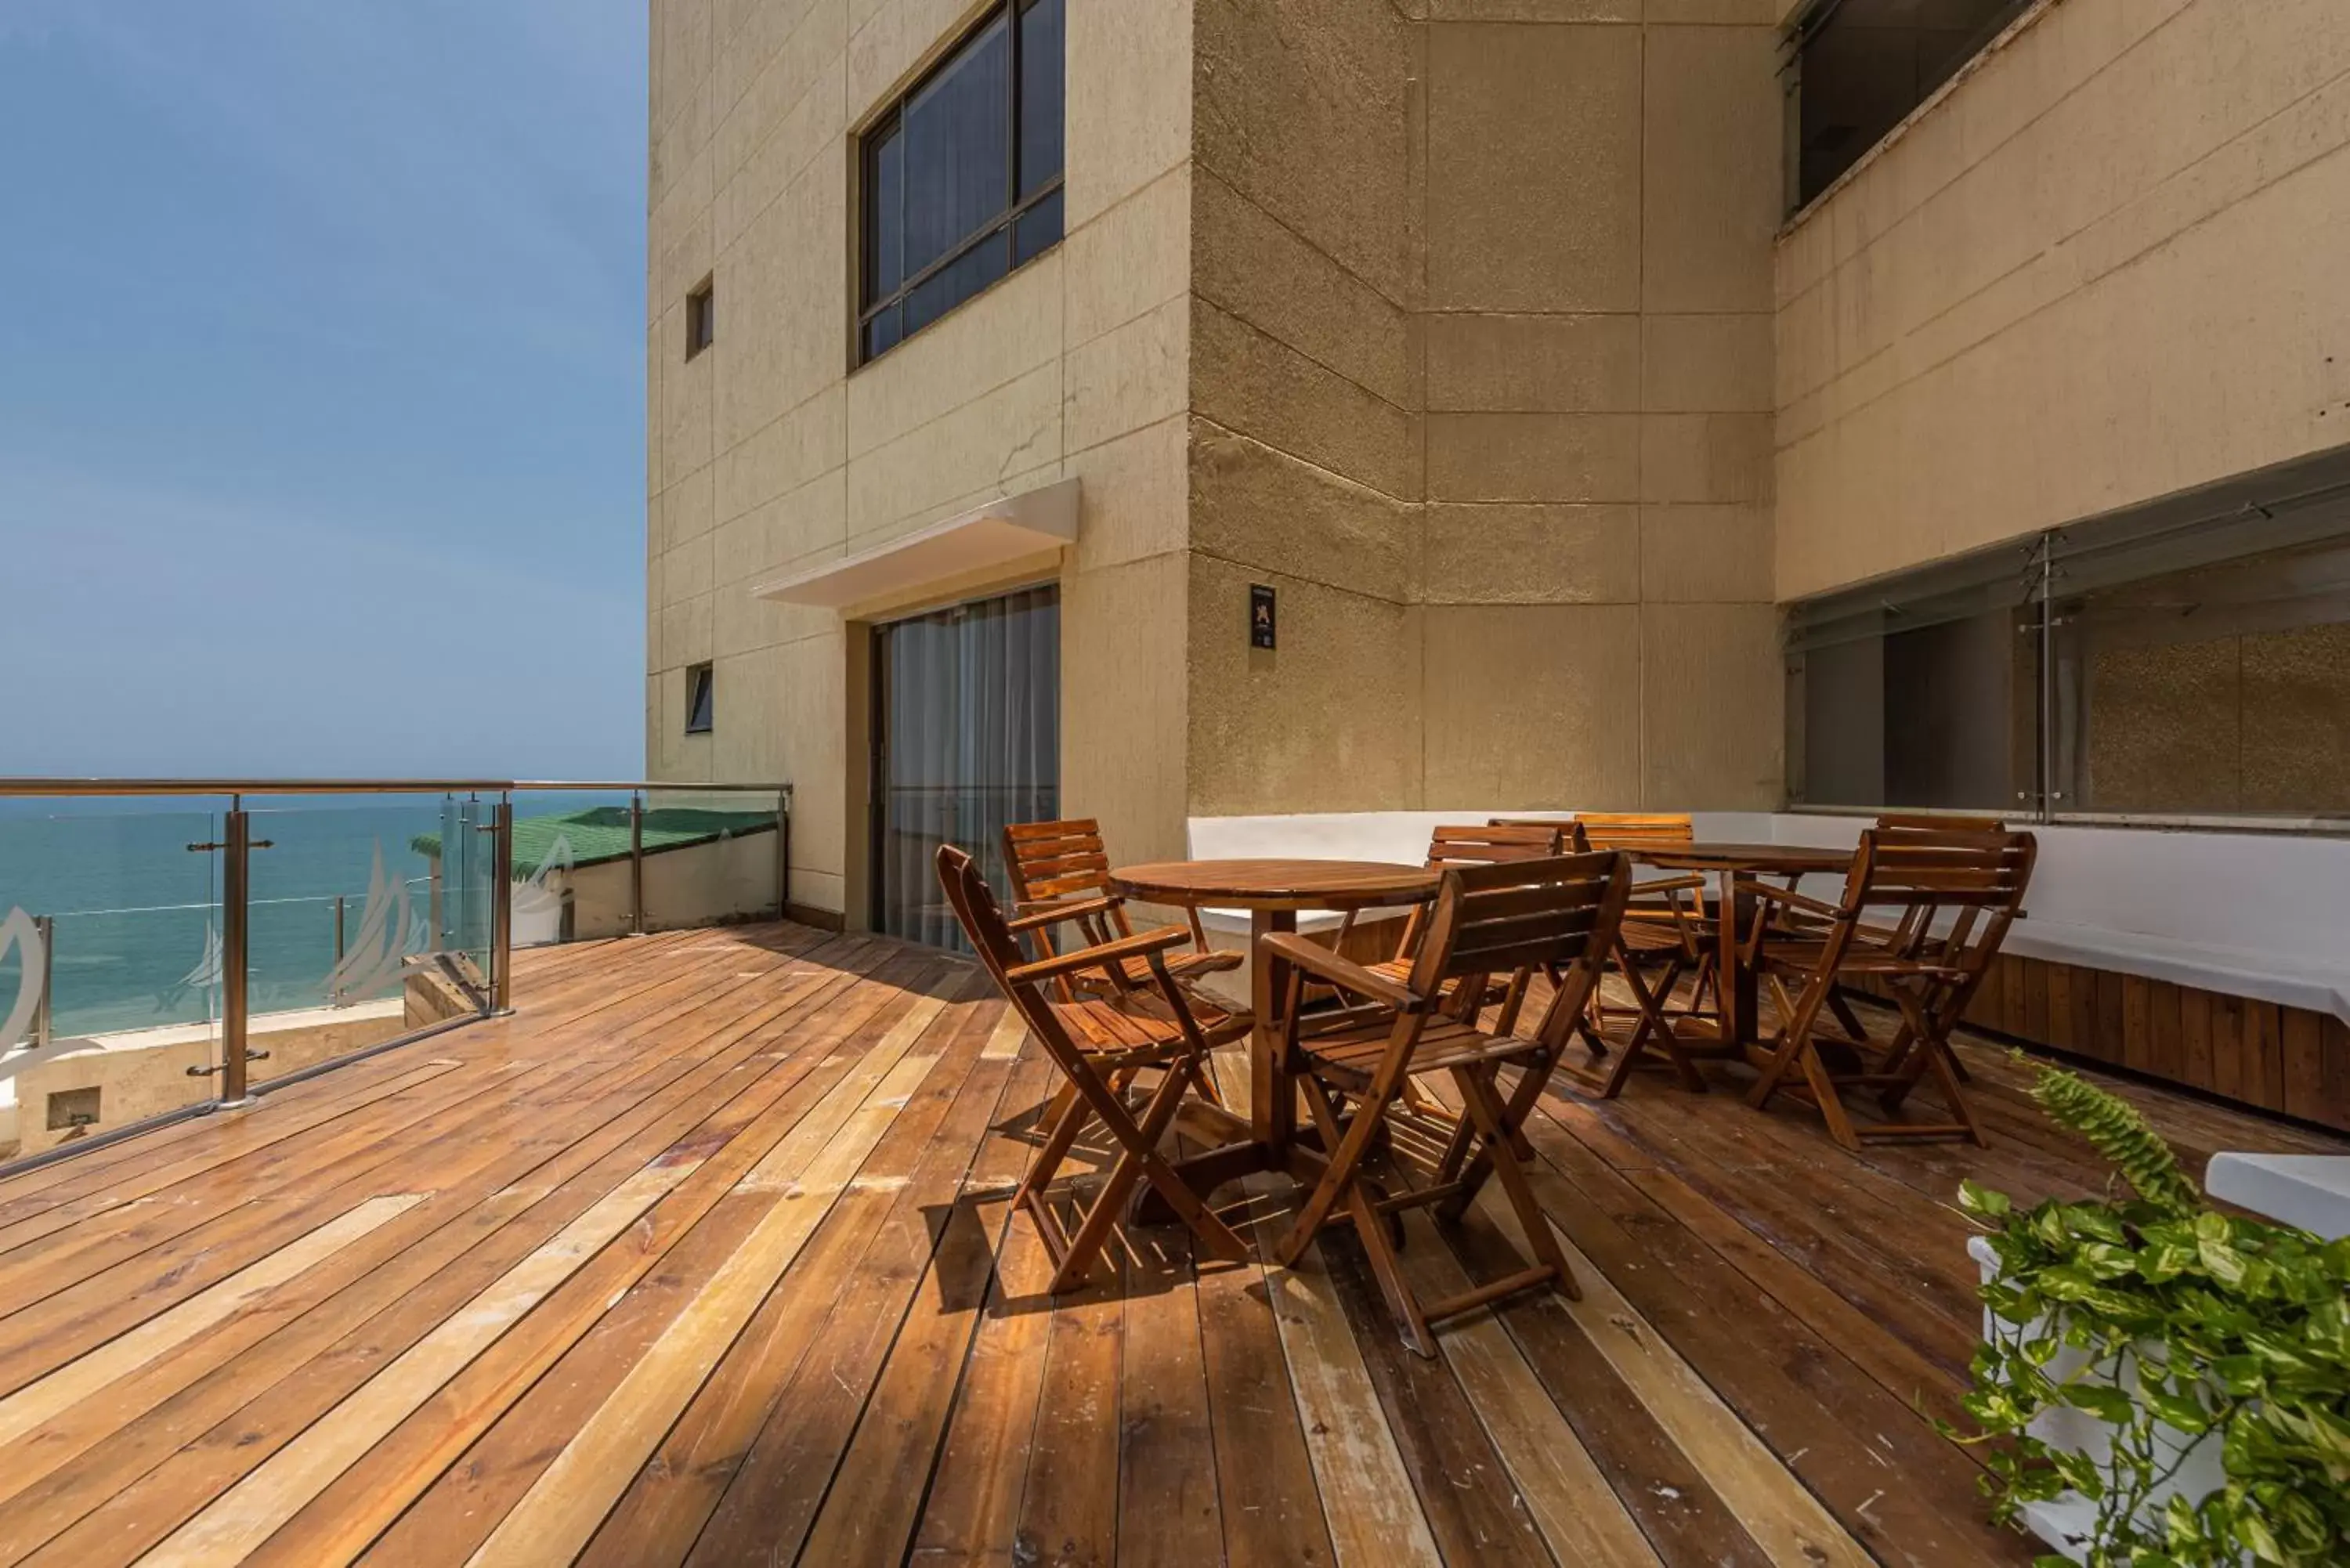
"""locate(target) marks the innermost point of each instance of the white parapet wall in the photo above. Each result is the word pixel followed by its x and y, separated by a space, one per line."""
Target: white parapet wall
pixel 2258 915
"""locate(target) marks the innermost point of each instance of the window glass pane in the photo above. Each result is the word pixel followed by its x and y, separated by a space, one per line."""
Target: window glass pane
pixel 1944 715
pixel 1862 70
pixel 881 332
pixel 1956 695
pixel 956 282
pixel 700 696
pixel 1037 230
pixel 885 217
pixel 1040 97
pixel 958 152
pixel 2220 689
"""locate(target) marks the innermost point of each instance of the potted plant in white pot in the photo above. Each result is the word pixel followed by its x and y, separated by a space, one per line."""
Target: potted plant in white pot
pixel 2172 1383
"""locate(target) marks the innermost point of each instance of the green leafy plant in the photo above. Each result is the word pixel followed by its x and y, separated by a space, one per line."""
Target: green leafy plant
pixel 2177 1327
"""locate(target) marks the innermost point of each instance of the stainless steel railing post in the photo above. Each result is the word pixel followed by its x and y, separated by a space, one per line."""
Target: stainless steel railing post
pixel 236 905
pixel 637 864
pixel 782 855
pixel 335 997
pixel 502 906
pixel 45 928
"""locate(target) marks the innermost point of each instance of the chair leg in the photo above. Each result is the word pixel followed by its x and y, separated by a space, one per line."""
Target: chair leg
pixel 1381 1234
pixel 1332 1187
pixel 1931 1053
pixel 1378 1250
pixel 1846 1018
pixel 1140 1161
pixel 1653 1025
pixel 1478 1096
pixel 1066 1124
pixel 1521 1105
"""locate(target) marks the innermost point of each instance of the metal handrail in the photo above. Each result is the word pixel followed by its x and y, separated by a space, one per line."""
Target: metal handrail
pixel 95 787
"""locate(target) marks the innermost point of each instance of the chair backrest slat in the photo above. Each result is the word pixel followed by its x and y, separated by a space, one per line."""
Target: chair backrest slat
pixel 1495 843
pixel 1049 861
pixel 1635 829
pixel 1492 844
pixel 1928 871
pixel 1054 859
pixel 1558 913
pixel 1942 822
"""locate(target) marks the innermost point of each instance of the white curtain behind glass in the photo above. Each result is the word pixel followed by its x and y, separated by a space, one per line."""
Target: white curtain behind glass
pixel 970 743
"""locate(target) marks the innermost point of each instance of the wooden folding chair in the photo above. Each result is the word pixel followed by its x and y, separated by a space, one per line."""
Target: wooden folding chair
pixel 1953 893
pixel 1663 938
pixel 1088 1039
pixel 1062 869
pixel 1559 914
pixel 1495 843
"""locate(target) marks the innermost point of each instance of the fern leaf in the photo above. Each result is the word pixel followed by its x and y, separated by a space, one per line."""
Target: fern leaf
pixel 2114 1127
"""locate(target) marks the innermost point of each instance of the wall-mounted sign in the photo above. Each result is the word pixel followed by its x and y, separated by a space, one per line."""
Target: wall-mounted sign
pixel 1259 616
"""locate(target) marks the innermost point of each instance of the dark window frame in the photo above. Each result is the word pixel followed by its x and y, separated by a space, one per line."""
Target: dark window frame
pixel 701 316
pixel 701 699
pixel 1015 207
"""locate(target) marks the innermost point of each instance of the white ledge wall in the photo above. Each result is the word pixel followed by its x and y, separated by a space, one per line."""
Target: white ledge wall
pixel 2265 916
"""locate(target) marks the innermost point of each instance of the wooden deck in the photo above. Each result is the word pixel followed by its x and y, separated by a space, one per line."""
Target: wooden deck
pixel 704 1257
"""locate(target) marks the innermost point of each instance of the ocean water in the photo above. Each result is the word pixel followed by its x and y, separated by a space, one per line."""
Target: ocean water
pixel 138 917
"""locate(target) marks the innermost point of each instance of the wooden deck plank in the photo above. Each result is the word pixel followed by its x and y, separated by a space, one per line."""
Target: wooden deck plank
pixel 1373 1514
pixel 1473 1510
pixel 774 1494
pixel 706 1254
pixel 1169 1515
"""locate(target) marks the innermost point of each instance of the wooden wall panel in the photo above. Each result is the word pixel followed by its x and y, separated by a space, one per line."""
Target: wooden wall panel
pixel 2283 1059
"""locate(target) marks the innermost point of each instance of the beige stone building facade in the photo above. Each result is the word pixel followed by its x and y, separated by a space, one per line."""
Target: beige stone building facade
pixel 1480 332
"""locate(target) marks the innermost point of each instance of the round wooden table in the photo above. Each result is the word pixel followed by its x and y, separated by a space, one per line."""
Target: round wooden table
pixel 1731 863
pixel 1273 893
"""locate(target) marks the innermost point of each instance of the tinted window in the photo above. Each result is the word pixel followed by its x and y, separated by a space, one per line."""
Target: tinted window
pixel 1040 95
pixel 2189 658
pixel 962 177
pixel 1861 65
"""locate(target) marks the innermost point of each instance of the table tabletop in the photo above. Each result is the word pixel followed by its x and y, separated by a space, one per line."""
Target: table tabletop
pixel 1277 884
pixel 1762 858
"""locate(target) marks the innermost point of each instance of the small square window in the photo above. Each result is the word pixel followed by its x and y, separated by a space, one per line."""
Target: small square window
pixel 701 700
pixel 701 318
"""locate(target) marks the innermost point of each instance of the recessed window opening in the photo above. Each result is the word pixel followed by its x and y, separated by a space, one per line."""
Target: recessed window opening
pixel 701 318
pixel 2188 659
pixel 1854 69
pixel 701 700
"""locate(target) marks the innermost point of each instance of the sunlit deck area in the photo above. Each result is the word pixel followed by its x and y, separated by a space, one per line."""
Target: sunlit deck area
pixel 705 1256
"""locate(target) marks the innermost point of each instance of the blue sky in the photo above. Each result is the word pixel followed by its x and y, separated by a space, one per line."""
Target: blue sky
pixel 321 386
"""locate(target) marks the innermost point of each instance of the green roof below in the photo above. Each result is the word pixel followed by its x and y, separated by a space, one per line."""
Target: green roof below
pixel 601 834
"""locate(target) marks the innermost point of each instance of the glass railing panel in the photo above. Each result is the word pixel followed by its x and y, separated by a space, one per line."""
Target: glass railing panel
pixel 353 911
pixel 110 965
pixel 570 872
pixel 711 857
pixel 590 865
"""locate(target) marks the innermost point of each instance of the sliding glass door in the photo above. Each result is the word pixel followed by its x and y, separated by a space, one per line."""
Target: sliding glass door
pixel 967 738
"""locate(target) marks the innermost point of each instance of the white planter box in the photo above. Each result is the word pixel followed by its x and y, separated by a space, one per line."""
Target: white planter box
pixel 2067 1521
